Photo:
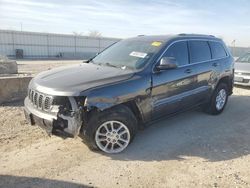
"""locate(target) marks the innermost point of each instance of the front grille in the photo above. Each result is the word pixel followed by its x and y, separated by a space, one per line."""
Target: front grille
pixel 243 73
pixel 47 103
pixel 246 73
pixel 40 100
pixel 246 81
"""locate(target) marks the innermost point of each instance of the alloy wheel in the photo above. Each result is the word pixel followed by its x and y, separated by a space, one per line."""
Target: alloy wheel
pixel 112 136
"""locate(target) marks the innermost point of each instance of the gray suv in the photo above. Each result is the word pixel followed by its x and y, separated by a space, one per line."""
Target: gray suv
pixel 109 97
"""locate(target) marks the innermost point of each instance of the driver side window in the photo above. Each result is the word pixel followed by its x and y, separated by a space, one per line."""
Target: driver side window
pixel 179 51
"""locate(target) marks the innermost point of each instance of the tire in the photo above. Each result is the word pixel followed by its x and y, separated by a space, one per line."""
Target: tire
pixel 218 100
pixel 98 132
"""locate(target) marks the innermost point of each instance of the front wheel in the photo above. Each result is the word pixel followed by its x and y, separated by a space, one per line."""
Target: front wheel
pixel 112 136
pixel 112 130
pixel 218 100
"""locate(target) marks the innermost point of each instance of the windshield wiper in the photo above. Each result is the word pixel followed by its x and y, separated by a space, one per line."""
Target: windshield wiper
pixel 123 67
pixel 110 65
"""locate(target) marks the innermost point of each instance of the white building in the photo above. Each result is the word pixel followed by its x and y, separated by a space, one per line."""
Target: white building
pixel 48 45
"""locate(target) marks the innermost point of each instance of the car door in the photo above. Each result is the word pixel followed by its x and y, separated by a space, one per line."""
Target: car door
pixel 207 67
pixel 200 58
pixel 171 86
pixel 219 58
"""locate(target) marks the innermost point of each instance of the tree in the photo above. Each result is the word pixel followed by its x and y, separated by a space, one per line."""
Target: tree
pixel 77 33
pixel 94 33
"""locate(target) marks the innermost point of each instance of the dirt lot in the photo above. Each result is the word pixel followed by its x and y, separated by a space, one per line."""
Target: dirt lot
pixel 192 149
pixel 35 66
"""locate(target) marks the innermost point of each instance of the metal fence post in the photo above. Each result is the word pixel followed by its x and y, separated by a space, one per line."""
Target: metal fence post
pixel 75 46
pixel 48 44
pixel 99 40
pixel 13 43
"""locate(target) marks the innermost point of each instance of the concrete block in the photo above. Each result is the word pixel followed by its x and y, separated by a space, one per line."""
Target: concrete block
pixel 13 88
pixel 8 67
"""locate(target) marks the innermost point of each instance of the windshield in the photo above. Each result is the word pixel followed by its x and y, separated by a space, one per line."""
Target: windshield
pixel 244 59
pixel 131 54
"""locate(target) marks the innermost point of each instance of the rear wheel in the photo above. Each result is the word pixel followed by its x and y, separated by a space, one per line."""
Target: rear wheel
pixel 112 130
pixel 218 100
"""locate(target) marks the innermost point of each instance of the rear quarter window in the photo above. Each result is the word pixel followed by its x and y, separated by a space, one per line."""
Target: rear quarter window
pixel 199 51
pixel 217 50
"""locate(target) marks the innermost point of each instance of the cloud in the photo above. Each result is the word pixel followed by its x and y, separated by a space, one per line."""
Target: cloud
pixel 29 3
pixel 135 13
pixel 121 18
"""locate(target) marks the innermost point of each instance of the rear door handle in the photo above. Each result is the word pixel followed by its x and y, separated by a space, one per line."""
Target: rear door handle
pixel 188 71
pixel 215 64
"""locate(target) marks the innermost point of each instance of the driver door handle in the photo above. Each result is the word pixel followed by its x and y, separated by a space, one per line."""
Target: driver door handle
pixel 215 64
pixel 188 71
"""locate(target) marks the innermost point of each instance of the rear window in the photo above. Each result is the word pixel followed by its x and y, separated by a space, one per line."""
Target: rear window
pixel 199 51
pixel 217 50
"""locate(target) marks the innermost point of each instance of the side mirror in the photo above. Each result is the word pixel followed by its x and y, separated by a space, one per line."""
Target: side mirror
pixel 167 63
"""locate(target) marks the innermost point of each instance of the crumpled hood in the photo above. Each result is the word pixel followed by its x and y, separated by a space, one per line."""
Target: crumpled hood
pixel 242 67
pixel 73 79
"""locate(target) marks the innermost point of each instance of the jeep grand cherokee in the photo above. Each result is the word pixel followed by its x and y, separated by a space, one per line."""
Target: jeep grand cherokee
pixel 129 84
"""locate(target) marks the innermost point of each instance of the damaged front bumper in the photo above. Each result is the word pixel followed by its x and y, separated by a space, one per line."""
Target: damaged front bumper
pixel 57 119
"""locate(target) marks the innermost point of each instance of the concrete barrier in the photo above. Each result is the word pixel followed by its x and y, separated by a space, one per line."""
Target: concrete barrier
pixel 13 88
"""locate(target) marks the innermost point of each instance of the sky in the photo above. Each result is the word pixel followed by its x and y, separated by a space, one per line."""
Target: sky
pixel 227 19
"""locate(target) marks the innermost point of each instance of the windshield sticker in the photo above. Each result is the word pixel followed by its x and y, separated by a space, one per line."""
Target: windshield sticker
pixel 138 54
pixel 156 43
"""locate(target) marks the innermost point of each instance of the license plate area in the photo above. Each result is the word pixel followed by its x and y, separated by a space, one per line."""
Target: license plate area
pixel 42 123
pixel 34 120
pixel 29 118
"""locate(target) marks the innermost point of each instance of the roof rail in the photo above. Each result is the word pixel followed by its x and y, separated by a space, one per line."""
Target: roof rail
pixel 140 35
pixel 201 35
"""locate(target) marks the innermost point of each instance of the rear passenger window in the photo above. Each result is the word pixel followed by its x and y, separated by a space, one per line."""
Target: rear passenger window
pixel 199 51
pixel 179 51
pixel 217 50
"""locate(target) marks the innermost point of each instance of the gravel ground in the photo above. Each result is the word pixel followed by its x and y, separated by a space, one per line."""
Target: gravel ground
pixel 192 149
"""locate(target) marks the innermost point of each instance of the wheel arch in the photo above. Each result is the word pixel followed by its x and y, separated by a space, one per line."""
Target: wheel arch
pixel 131 105
pixel 228 80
